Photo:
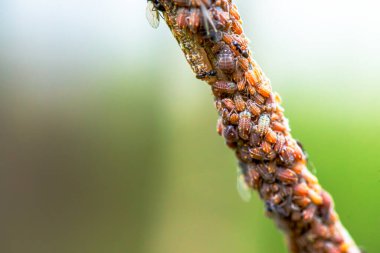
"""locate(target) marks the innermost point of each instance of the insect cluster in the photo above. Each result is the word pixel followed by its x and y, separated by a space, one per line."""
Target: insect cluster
pixel 253 124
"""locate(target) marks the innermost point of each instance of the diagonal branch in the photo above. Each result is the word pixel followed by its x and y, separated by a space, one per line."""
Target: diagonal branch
pixel 253 124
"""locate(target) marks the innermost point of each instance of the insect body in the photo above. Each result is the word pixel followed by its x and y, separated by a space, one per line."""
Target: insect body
pixel 245 125
pixel 226 60
pixel 204 75
pixel 244 53
pixel 152 14
pixel 224 87
pixel 264 122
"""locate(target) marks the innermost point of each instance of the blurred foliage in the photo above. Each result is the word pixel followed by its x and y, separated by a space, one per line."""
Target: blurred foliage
pixel 108 142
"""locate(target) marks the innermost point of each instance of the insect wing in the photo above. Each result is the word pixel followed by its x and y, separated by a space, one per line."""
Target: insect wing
pixel 152 15
pixel 207 20
pixel 242 187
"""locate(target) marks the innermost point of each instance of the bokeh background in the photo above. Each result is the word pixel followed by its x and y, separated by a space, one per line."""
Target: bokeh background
pixel 108 142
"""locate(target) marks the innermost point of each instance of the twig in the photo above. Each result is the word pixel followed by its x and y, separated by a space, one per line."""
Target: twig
pixel 252 122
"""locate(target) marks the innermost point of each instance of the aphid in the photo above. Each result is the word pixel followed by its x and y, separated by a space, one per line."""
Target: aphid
pixel 271 136
pixel 279 143
pixel 228 103
pixel 152 14
pixel 238 29
pixel 218 105
pixel 221 18
pixel 239 102
pixel 234 13
pixel 204 75
pixel 286 155
pixel 182 17
pixel 286 176
pixel 230 133
pixel 254 177
pixel 195 3
pixel 219 126
pixel 224 87
pixel 245 125
pixel 234 118
pixel 241 84
pixel 266 147
pixel 226 60
pixel 309 213
pixel 242 187
pixel 243 154
pixel 194 19
pixel 257 153
pixel 251 90
pixel 315 197
pixel 253 108
pixel 301 189
pixel 263 125
pixel 243 63
pixel 310 178
pixel 260 100
pixel 265 173
pixel 255 139
pixel 301 201
pixel 264 89
pixel 244 53
pixel 272 155
pixel 277 126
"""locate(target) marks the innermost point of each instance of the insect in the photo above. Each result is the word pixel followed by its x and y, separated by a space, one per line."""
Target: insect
pixel 204 75
pixel 244 53
pixel 230 134
pixel 239 102
pixel 152 12
pixel 197 18
pixel 221 87
pixel 245 125
pixel 226 60
pixel 264 122
pixel 188 3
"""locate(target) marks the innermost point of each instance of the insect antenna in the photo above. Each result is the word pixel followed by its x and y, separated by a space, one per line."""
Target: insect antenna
pixel 207 19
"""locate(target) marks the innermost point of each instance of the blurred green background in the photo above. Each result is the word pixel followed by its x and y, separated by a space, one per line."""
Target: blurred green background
pixel 108 142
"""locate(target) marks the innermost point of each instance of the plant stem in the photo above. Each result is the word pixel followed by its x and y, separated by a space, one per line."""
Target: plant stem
pixel 254 126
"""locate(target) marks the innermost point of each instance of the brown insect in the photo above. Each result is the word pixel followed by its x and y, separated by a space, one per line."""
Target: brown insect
pixel 230 133
pixel 239 102
pixel 266 147
pixel 253 108
pixel 195 3
pixel 263 125
pixel 226 60
pixel 224 87
pixel 279 143
pixel 254 178
pixel 264 89
pixel 182 17
pixel 271 136
pixel 234 13
pixel 257 153
pixel 238 29
pixel 286 155
pixel 265 173
pixel 243 63
pixel 245 125
pixel 286 176
pixel 234 118
pixel 228 103
pixel 301 189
